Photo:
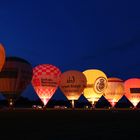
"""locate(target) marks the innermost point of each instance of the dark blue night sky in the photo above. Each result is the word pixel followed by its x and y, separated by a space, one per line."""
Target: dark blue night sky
pixel 75 34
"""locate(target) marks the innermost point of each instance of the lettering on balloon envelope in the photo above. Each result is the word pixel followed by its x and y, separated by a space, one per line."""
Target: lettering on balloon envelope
pixel 96 84
pixel 72 84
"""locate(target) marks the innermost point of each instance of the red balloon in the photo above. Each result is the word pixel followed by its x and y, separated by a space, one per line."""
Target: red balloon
pixel 45 81
pixel 132 90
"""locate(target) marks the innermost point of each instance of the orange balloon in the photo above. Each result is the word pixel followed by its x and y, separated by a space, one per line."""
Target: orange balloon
pixel 2 56
pixel 132 90
pixel 72 84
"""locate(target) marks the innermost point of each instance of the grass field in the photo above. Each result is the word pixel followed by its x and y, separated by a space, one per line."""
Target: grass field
pixel 70 124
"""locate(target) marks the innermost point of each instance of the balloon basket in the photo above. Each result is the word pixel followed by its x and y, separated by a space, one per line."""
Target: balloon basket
pixel 135 108
pixel 44 107
pixel 11 104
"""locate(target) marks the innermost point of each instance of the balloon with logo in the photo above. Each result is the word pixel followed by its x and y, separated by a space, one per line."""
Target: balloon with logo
pixel 132 90
pixel 15 76
pixel 114 90
pixel 72 84
pixel 2 56
pixel 96 84
pixel 45 81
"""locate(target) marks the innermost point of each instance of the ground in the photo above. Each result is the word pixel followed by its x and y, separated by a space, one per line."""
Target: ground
pixel 70 124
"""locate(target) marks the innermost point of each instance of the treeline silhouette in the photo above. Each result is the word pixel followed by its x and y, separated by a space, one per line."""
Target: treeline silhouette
pixel 23 102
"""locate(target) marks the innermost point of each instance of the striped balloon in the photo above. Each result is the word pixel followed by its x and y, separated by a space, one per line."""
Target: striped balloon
pixel 14 77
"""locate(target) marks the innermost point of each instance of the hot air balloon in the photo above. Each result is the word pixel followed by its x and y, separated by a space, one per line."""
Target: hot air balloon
pixel 72 84
pixel 45 81
pixel 132 90
pixel 114 90
pixel 2 56
pixel 14 78
pixel 96 84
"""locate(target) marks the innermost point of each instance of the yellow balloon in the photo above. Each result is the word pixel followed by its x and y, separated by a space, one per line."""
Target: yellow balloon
pixel 96 84
pixel 2 56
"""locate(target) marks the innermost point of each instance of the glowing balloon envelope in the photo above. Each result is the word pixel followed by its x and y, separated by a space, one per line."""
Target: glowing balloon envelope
pixel 45 81
pixel 14 77
pixel 132 90
pixel 96 84
pixel 72 84
pixel 2 56
pixel 114 90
